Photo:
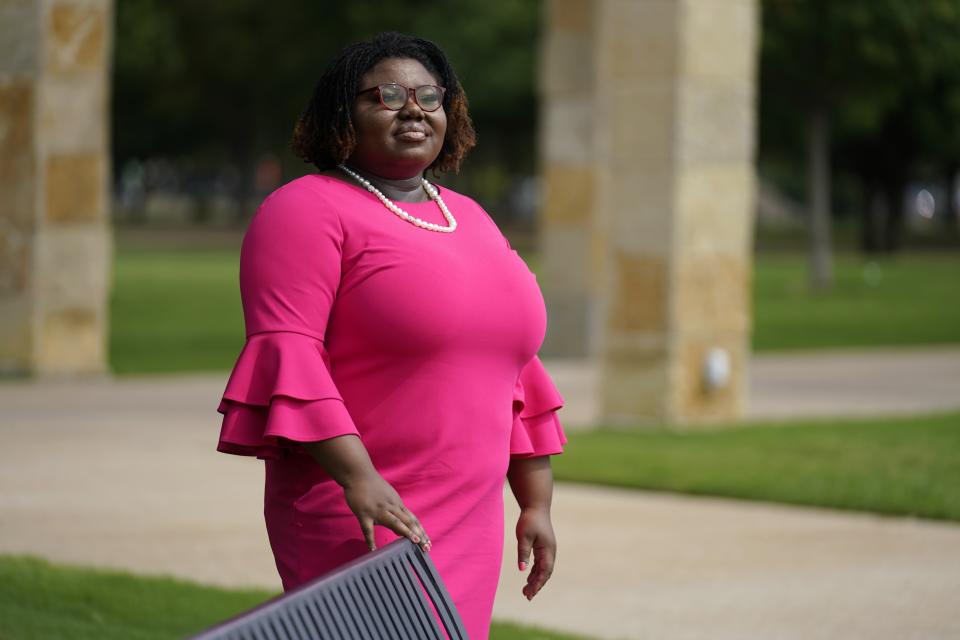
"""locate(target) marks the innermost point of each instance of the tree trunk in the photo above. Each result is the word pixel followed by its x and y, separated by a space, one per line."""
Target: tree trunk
pixel 873 217
pixel 893 229
pixel 818 183
pixel 243 190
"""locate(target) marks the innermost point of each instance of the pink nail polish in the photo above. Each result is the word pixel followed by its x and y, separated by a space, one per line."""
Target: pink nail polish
pixel 523 566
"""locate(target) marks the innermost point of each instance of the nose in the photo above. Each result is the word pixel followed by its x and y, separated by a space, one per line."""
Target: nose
pixel 411 109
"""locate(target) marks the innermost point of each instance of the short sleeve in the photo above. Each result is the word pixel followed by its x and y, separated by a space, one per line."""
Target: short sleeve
pixel 536 429
pixel 281 390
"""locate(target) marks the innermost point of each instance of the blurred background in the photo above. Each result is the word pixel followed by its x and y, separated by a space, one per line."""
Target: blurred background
pixel 204 97
pixel 815 364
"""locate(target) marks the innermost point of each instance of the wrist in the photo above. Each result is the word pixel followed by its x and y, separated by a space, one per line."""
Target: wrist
pixel 351 478
pixel 532 509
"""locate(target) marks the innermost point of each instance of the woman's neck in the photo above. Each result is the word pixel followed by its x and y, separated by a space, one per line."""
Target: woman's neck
pixel 397 189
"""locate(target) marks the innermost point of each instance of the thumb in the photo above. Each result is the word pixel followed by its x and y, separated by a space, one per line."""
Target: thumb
pixel 524 545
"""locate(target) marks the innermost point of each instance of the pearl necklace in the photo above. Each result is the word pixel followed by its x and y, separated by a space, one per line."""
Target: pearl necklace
pixel 389 204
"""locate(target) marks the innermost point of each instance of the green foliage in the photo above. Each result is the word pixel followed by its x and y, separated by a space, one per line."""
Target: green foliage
pixel 903 466
pixel 859 57
pixel 222 81
pixel 43 601
pixel 886 71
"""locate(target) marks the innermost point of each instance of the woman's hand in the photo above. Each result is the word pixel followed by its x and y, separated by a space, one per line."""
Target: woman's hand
pixel 369 496
pixel 531 480
pixel 374 501
pixel 535 533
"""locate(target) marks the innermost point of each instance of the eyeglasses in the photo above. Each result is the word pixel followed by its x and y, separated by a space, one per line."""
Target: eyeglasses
pixel 394 96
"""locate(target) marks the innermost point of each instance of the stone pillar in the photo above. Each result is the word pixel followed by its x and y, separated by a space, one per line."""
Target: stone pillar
pixel 676 83
pixel 55 246
pixel 648 150
pixel 569 177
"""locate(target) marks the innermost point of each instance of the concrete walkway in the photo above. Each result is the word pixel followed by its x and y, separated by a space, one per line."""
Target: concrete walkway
pixel 123 474
pixel 812 384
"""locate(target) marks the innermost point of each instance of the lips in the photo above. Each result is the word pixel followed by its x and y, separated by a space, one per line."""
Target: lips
pixel 411 132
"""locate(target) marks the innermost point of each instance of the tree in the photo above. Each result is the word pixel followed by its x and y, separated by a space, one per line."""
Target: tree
pixel 852 70
pixel 888 142
pixel 220 83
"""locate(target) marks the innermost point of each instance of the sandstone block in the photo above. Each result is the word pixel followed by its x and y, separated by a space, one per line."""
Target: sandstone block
pixel 569 193
pixel 712 294
pixel 637 39
pixel 716 122
pixel 70 341
pixel 718 38
pixel 638 299
pixel 640 124
pixel 18 40
pixel 17 157
pixel 714 209
pixel 571 121
pixel 72 114
pixel 567 69
pixel 14 258
pixel 15 333
pixel 72 266
pixel 75 187
pixel 76 37
pixel 636 204
pixel 571 15
pixel 634 384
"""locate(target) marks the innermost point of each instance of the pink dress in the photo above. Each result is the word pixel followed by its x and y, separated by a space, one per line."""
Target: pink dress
pixel 423 343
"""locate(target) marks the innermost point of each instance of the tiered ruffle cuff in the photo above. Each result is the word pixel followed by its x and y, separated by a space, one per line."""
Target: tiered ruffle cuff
pixel 536 429
pixel 280 392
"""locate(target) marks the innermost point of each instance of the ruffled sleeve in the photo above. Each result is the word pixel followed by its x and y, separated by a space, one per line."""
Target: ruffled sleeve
pixel 536 429
pixel 281 390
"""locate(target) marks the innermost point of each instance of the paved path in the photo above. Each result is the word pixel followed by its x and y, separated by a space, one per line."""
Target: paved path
pixel 123 474
pixel 855 383
pixel 879 382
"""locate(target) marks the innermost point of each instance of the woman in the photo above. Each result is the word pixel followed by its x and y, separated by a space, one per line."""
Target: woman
pixel 390 377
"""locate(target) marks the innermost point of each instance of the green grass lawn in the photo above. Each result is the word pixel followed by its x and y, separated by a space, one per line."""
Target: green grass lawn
pixel 175 311
pixel 903 466
pixel 180 310
pixel 901 301
pixel 43 601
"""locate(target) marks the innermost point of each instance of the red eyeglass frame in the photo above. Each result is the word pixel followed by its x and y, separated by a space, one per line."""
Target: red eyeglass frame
pixel 410 91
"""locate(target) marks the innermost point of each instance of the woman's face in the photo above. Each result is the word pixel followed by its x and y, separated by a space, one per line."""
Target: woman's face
pixel 396 144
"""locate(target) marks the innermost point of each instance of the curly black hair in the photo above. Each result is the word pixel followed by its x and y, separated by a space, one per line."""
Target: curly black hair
pixel 324 134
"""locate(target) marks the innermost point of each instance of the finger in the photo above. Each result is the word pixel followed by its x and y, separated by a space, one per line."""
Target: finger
pixel 541 572
pixel 535 581
pixel 415 525
pixel 544 558
pixel 366 525
pixel 524 544
pixel 413 522
pixel 393 522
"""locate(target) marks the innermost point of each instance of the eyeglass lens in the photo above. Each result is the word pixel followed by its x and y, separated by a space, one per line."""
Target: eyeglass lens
pixel 394 96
